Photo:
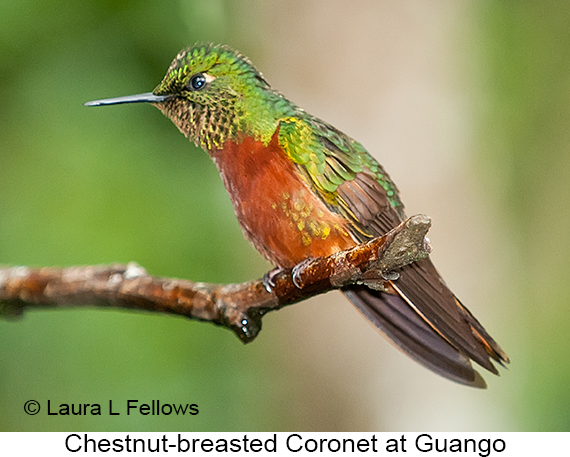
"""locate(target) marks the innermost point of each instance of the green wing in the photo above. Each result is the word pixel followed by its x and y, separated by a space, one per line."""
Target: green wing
pixel 421 315
pixel 344 175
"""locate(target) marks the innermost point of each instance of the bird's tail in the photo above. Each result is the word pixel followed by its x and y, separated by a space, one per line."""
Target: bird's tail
pixel 421 316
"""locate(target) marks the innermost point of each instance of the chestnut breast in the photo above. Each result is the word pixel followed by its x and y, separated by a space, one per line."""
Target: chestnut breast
pixel 276 208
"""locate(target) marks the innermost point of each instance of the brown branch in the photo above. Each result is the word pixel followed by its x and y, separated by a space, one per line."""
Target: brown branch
pixel 235 306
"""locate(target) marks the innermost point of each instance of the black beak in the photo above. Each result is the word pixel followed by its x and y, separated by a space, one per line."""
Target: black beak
pixel 147 97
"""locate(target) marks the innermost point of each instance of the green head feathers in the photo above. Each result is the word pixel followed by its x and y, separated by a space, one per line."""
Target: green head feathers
pixel 224 70
pixel 212 94
pixel 217 94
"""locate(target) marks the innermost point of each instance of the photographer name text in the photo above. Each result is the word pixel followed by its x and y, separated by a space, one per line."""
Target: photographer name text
pixel 113 408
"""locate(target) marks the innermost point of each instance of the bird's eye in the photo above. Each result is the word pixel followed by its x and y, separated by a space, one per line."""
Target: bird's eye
pixel 197 82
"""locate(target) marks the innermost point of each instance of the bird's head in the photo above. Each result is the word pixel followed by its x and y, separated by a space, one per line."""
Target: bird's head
pixel 212 94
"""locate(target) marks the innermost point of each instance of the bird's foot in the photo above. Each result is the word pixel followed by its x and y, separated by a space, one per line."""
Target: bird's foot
pixel 269 279
pixel 298 271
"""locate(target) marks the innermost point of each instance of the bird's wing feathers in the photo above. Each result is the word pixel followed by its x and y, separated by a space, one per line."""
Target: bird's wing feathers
pixel 327 160
pixel 420 314
pixel 341 171
pixel 411 333
pixel 440 320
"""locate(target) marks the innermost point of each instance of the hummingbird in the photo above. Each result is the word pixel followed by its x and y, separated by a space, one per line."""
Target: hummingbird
pixel 303 189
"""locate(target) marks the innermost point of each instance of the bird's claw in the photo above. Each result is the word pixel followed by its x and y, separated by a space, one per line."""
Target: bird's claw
pixel 298 270
pixel 269 279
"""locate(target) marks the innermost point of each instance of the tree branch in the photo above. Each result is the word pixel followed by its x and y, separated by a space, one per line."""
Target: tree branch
pixel 238 307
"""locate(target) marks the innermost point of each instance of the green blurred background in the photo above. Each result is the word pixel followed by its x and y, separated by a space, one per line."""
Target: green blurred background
pixel 465 103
